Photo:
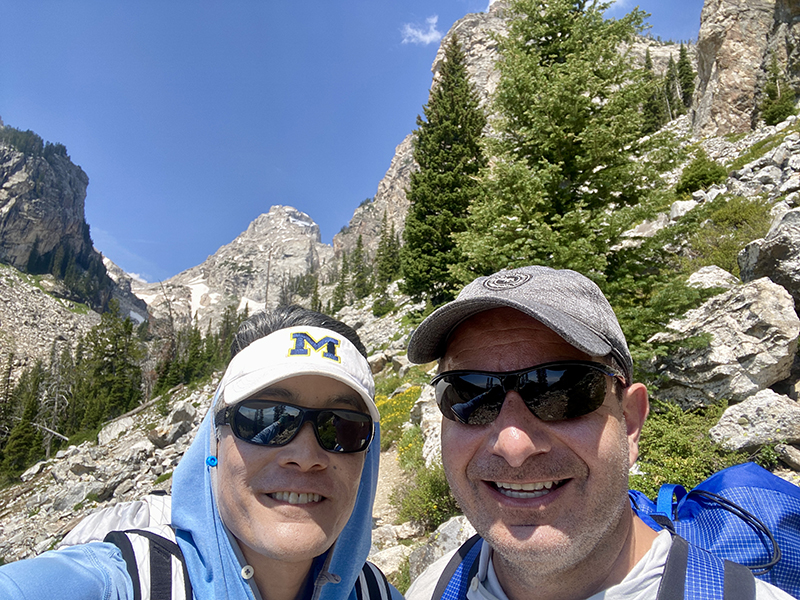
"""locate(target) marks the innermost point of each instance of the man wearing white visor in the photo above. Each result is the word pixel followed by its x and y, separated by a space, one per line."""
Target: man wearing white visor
pixel 273 500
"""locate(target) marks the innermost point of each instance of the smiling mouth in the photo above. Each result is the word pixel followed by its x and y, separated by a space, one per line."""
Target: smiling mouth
pixel 295 498
pixel 527 490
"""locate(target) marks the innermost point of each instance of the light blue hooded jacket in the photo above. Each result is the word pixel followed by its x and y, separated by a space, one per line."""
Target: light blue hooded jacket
pixel 96 571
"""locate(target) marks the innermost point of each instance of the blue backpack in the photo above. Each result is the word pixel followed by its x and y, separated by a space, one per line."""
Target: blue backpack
pixel 743 514
pixel 739 523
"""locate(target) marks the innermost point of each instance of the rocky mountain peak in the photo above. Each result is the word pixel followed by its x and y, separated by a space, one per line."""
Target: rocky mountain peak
pixel 277 246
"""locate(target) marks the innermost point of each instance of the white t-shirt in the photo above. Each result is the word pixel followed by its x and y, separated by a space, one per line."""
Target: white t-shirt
pixel 640 584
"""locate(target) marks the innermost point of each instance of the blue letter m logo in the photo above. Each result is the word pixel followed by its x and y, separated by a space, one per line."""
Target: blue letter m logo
pixel 327 344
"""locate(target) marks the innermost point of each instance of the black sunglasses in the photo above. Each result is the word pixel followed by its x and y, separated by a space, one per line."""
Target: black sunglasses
pixel 270 423
pixel 552 392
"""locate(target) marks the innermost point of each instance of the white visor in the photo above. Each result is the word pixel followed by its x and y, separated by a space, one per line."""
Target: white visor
pixel 297 351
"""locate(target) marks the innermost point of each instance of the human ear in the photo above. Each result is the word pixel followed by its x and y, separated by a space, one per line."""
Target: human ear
pixel 635 408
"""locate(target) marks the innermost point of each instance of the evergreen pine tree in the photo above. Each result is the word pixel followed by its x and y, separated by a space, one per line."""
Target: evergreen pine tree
pixel 448 151
pixel 361 280
pixel 685 76
pixel 113 353
pixel 568 144
pixel 316 302
pixel 24 444
pixel 387 258
pixel 342 289
pixel 654 113
pixel 778 96
pixel 672 90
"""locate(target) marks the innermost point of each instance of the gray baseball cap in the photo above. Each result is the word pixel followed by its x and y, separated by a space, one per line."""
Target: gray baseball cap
pixel 565 301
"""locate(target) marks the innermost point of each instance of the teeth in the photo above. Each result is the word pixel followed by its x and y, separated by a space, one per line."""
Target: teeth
pixel 295 498
pixel 525 490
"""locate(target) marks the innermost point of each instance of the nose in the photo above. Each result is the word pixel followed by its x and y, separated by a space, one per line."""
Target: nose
pixel 304 451
pixel 517 433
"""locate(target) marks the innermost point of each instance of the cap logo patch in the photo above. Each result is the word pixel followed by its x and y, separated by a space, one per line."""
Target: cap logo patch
pixel 506 281
pixel 326 345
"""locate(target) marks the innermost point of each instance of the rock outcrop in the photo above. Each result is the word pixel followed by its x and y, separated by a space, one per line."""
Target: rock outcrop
pixel 736 42
pixel 476 32
pixel 41 206
pixel 277 246
pixel 776 256
pixel 735 345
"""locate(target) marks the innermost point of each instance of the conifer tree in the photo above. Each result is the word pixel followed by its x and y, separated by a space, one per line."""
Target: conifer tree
pixel 672 90
pixel 113 353
pixel 778 97
pixel 448 151
pixel 685 76
pixel 387 258
pixel 24 444
pixel 342 289
pixel 568 143
pixel 654 110
pixel 316 301
pixel 361 280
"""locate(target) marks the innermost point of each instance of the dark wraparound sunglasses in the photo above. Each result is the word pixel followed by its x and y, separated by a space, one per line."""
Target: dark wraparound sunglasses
pixel 552 392
pixel 270 423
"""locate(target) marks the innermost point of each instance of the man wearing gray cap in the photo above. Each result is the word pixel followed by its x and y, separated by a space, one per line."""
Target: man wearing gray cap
pixel 541 424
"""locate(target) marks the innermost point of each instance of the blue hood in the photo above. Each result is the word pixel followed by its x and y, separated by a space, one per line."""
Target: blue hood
pixel 212 562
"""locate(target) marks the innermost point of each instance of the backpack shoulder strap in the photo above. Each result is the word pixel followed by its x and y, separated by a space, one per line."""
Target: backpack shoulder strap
pixel 159 551
pixel 459 571
pixel 692 572
pixel 372 584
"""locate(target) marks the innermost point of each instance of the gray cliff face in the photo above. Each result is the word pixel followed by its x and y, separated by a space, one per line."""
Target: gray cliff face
pixel 736 41
pixel 41 203
pixel 278 245
pixel 476 33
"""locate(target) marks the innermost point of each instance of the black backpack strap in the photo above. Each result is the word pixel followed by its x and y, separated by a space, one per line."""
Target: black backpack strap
pixel 372 584
pixel 450 570
pixel 707 572
pixel 161 552
pixel 121 541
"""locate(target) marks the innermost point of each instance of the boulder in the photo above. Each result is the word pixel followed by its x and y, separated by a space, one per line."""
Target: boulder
pixel 777 256
pixel 765 418
pixel 735 345
pixel 427 415
pixel 712 277
pixel 114 429
pixel 377 362
pixel 390 560
pixel 447 537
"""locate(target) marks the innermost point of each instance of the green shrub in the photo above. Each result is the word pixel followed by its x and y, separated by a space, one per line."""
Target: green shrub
pixel 402 579
pixel 729 224
pixel 675 448
pixel 701 173
pixel 427 500
pixel 382 306
pixel 395 411
pixel 163 477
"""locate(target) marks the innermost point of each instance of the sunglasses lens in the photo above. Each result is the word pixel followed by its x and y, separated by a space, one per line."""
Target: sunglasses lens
pixel 344 430
pixel 552 393
pixel 266 423
pixel 470 398
pixel 275 424
pixel 560 393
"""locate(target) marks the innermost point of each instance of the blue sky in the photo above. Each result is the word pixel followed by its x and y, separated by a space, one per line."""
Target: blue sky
pixel 191 118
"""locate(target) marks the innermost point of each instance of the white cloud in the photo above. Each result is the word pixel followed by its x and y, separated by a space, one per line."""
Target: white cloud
pixel 416 34
pixel 138 277
pixel 620 6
